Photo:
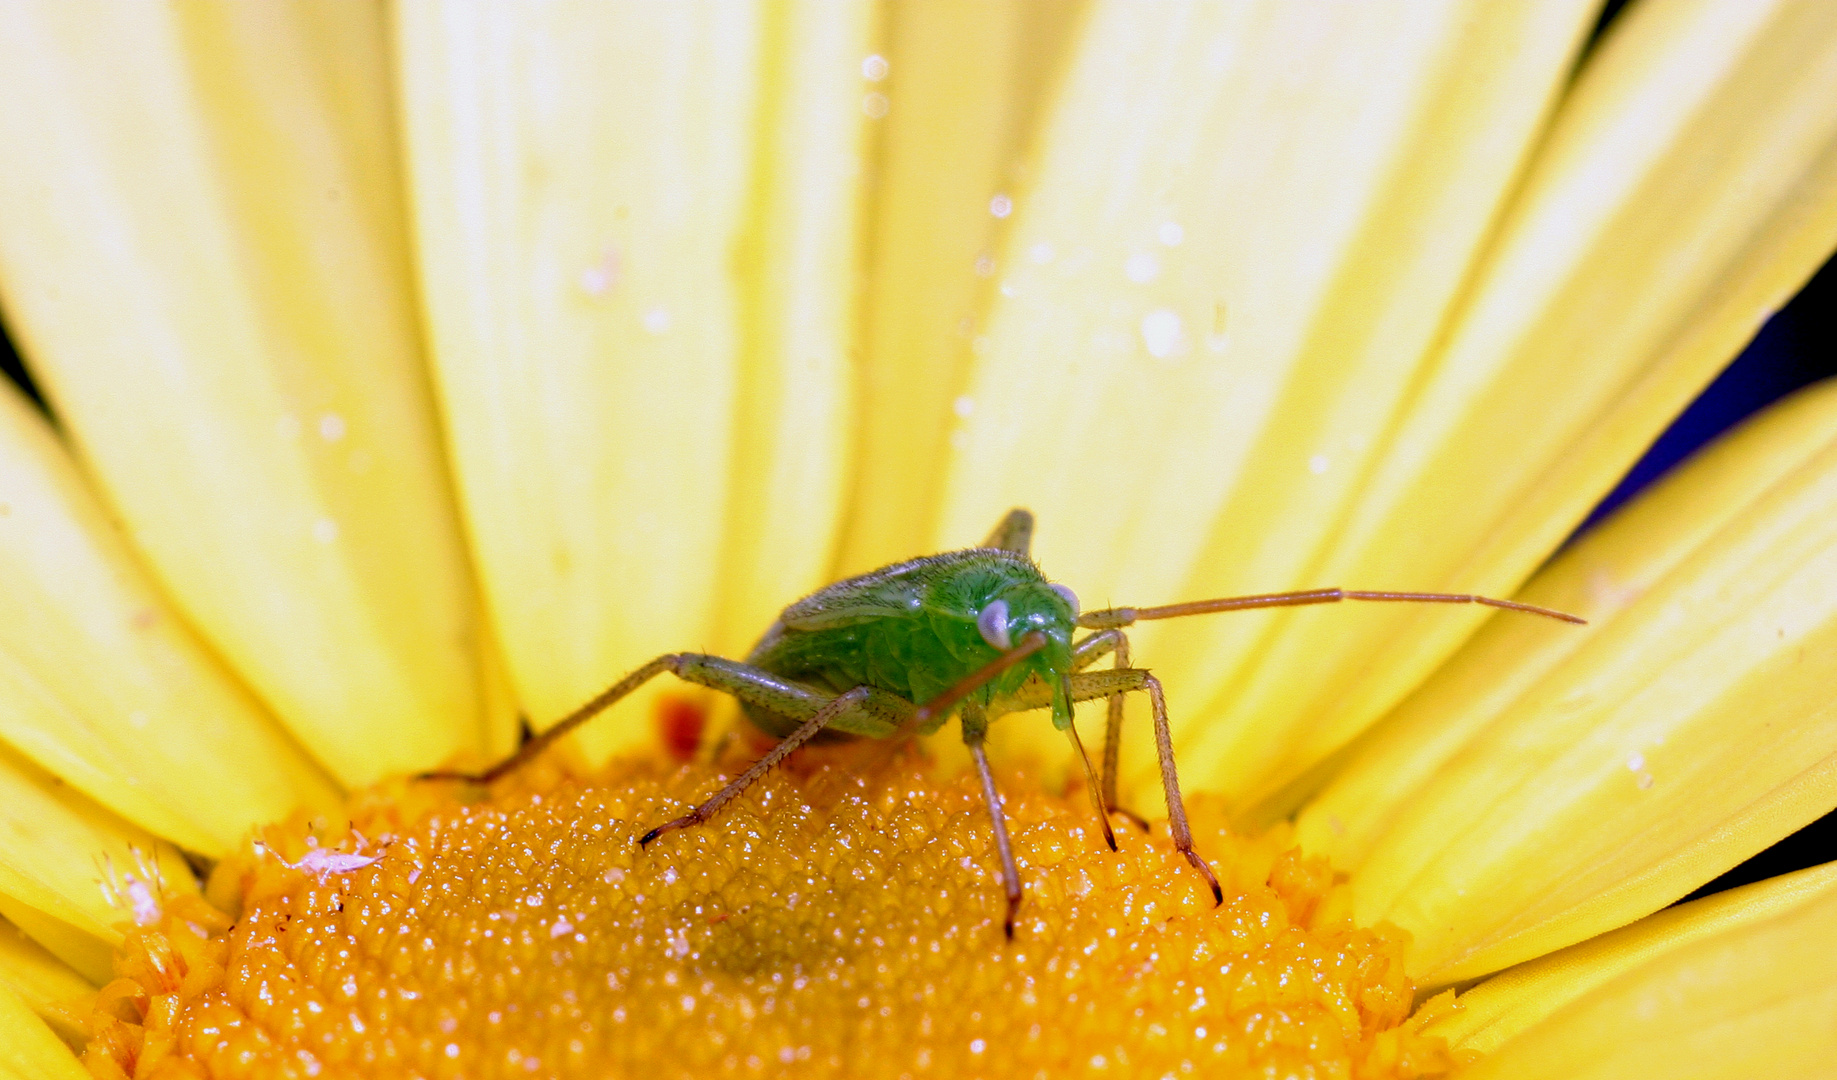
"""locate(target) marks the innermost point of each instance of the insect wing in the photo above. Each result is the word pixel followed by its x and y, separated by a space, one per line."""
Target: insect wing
pixel 891 591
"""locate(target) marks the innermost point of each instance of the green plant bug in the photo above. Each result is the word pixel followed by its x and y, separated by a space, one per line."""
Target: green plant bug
pixel 978 634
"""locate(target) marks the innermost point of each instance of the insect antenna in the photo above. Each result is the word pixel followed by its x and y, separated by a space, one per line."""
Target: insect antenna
pixel 1111 618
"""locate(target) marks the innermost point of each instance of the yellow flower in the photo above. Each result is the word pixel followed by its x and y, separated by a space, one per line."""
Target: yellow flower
pixel 414 367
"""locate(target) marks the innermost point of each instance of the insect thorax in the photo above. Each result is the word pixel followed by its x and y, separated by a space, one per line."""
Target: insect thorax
pixel 909 628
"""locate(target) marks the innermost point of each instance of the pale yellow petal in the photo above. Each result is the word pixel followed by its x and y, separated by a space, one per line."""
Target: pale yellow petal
pixel 1506 1005
pixel 90 955
pixel 49 987
pixel 28 1048
pixel 1751 995
pixel 1246 226
pixel 963 84
pixel 69 861
pixel 1611 569
pixel 103 686
pixel 205 261
pixel 1689 726
pixel 1688 186
pixel 797 411
pixel 579 176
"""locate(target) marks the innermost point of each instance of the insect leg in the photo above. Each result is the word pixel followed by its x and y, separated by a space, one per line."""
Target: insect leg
pixel 1091 685
pixel 1095 785
pixel 1170 784
pixel 535 746
pixel 1113 739
pixel 1015 533
pixel 804 733
pixel 749 684
pixel 1108 618
pixel 1094 647
pixel 1010 873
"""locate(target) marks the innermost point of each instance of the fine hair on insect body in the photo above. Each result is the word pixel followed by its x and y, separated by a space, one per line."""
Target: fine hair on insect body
pixel 976 634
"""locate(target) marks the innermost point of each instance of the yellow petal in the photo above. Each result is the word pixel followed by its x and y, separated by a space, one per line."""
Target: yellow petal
pixel 103 686
pixel 796 404
pixel 28 1049
pixel 90 955
pixel 1687 187
pixel 1732 993
pixel 963 84
pixel 579 177
pixel 1506 1005
pixel 1689 726
pixel 47 985
pixel 205 261
pixel 1223 282
pixel 66 859
pixel 1610 569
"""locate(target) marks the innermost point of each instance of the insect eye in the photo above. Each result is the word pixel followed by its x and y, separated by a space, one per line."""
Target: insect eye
pixel 992 624
pixel 1070 598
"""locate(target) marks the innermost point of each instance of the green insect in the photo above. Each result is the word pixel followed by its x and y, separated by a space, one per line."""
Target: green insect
pixel 978 633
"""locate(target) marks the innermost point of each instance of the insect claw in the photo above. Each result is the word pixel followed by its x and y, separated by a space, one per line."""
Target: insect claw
pixel 652 835
pixel 1199 864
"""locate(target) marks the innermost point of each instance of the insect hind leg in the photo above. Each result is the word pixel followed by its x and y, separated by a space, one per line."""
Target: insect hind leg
pixel 1015 533
pixel 875 710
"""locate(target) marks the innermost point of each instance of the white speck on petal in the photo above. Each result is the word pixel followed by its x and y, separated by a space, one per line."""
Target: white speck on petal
pixel 874 105
pixel 1644 781
pixel 1318 464
pixel 1162 334
pixel 657 321
pixel 1142 268
pixel 331 427
pixel 1636 762
pixel 562 926
pixel 963 406
pixel 1041 253
pixel 325 530
pixel 1001 206
pixel 1170 233
pixel 985 265
pixel 874 68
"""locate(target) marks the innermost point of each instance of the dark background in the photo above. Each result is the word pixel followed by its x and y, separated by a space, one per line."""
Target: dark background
pixel 1796 347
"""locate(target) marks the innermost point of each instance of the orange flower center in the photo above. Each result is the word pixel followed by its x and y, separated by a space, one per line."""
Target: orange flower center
pixel 842 919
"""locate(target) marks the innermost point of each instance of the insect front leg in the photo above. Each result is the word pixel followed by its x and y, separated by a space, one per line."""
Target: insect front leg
pixel 804 733
pixel 1091 649
pixel 1091 685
